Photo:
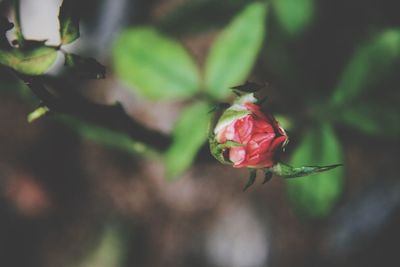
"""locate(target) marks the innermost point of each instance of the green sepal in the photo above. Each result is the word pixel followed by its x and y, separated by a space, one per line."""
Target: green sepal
pixel 248 87
pixel 267 175
pixel 287 171
pixel 229 144
pixel 217 150
pixel 252 179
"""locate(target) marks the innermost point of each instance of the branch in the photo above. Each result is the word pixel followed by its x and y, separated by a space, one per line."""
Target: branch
pixel 113 117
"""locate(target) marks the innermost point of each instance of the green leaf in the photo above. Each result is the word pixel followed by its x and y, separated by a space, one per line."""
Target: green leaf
pixel 35 60
pixel 189 135
pixel 316 195
pixel 294 15
pixel 155 65
pixel 372 119
pixel 217 149
pixel 369 64
pixel 69 21
pixel 234 52
pixel 86 68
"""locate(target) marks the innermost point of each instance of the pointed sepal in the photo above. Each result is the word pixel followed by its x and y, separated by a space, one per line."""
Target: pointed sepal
pixel 252 179
pixel 249 87
pixel 267 176
pixel 287 171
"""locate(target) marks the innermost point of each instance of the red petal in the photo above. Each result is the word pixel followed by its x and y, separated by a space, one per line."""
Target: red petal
pixel 237 155
pixel 278 142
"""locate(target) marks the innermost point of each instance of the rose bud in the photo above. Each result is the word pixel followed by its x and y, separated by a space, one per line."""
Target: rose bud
pixel 246 137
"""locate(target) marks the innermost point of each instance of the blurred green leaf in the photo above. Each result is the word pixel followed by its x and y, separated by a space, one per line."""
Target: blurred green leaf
pixel 189 135
pixel 294 15
pixel 86 68
pixel 110 251
pixel 69 21
pixel 34 60
pixel 234 52
pixel 106 137
pixel 316 195
pixel 155 65
pixel 369 64
pixel 372 119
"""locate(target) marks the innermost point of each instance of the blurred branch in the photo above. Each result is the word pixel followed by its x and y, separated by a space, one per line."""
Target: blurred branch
pixel 114 117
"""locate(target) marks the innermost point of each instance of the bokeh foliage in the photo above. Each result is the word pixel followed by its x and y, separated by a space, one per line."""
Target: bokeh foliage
pixel 158 67
pixel 317 194
pixel 152 61
pixel 155 65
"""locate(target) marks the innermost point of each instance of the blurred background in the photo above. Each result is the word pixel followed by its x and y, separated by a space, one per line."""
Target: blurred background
pixel 77 195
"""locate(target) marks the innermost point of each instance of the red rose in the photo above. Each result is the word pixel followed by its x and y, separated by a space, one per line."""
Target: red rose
pixel 256 138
